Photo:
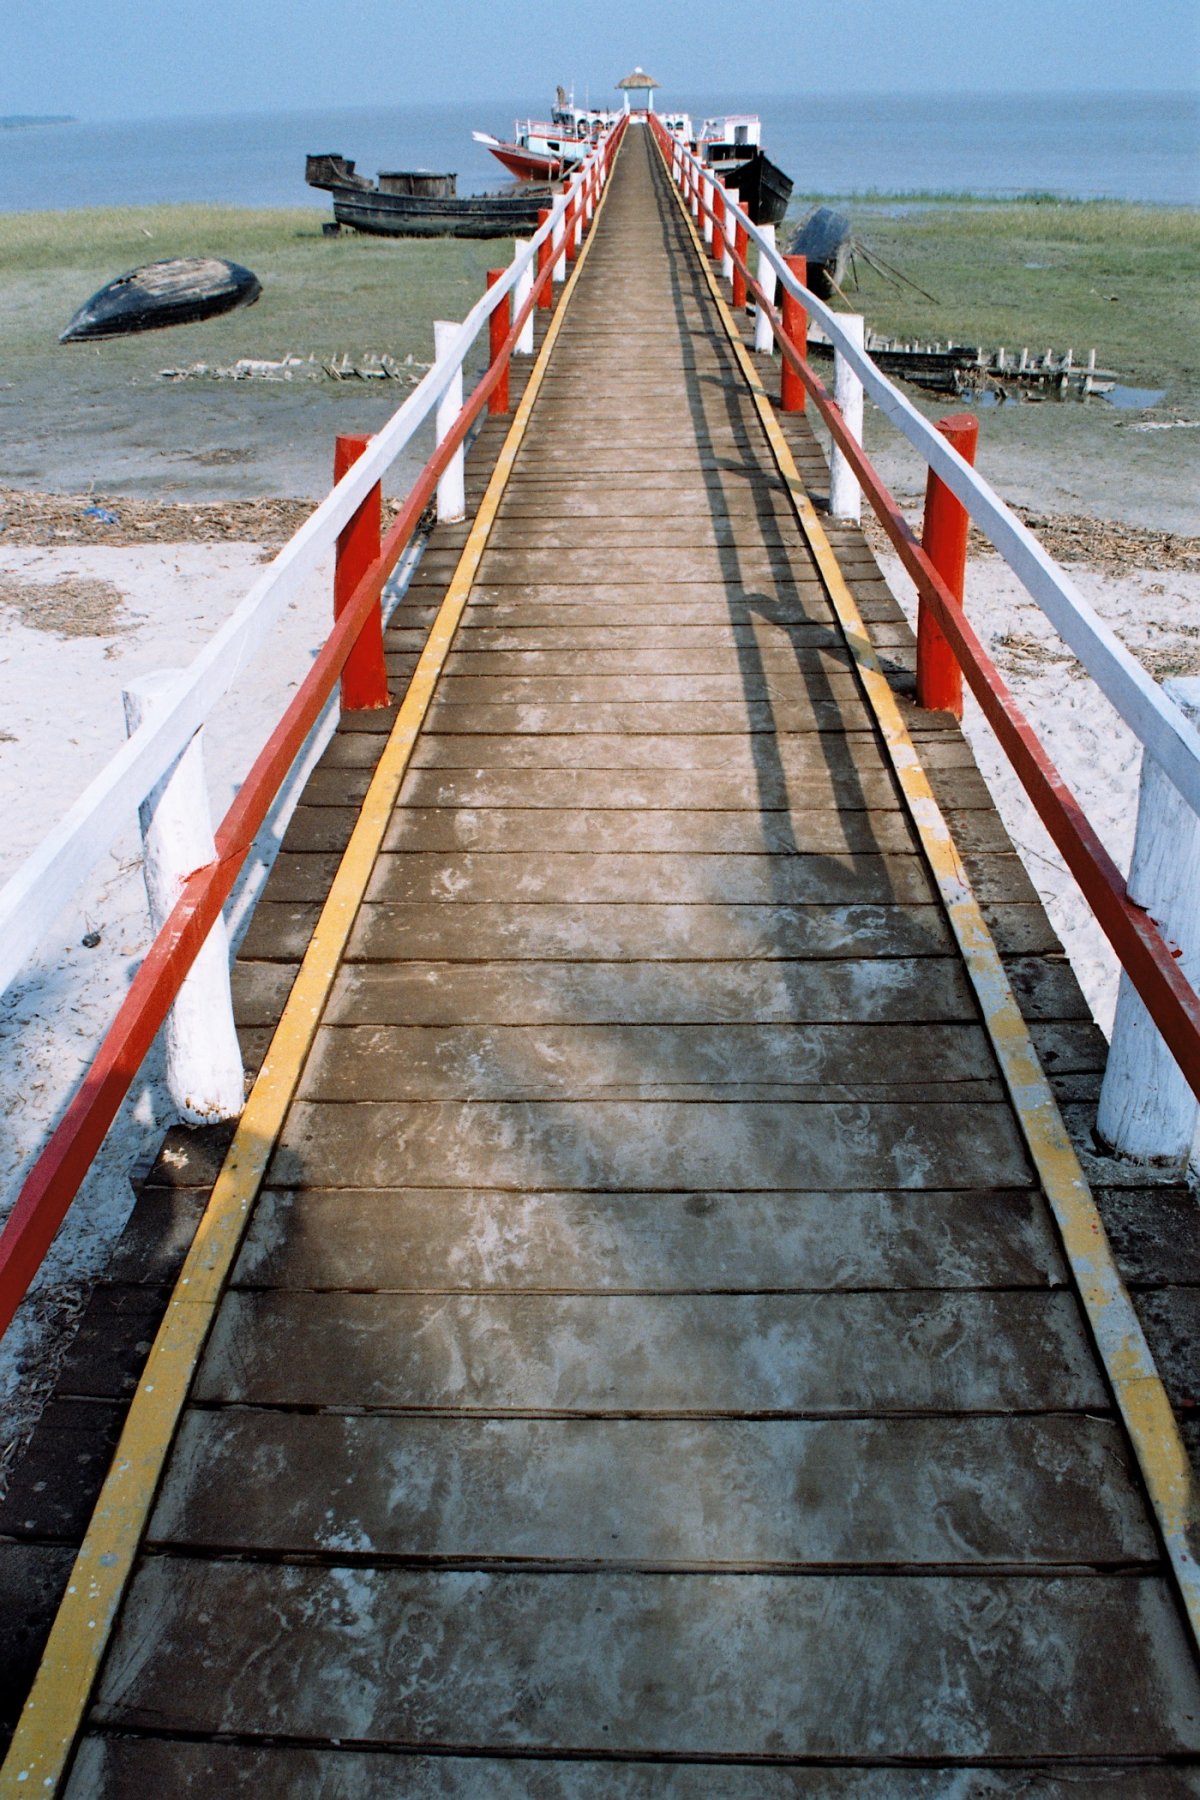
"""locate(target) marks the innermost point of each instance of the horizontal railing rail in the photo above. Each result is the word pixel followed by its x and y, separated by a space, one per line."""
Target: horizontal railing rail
pixel 51 876
pixel 1147 955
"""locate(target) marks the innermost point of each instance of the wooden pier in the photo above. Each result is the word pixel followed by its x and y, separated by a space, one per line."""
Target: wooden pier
pixel 651 1367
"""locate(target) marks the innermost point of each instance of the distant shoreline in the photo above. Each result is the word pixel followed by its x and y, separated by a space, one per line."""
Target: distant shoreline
pixel 24 121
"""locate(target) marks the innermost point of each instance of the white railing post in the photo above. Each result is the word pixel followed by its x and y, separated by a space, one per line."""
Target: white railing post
pixel 204 1062
pixel 728 229
pixel 764 332
pixel 707 183
pixel 578 223
pixel 1147 1110
pixel 845 495
pixel 558 238
pixel 521 293
pixel 452 483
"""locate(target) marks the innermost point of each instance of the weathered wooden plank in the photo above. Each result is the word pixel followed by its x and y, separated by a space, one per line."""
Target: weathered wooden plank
pixel 415 1239
pixel 1005 1667
pixel 932 1062
pixel 621 831
pixel 644 877
pixel 842 785
pixel 745 1494
pixel 789 713
pixel 802 756
pixel 868 991
pixel 113 1768
pixel 702 1354
pixel 562 930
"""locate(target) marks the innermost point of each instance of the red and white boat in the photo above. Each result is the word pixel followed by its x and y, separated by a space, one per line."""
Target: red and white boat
pixel 541 149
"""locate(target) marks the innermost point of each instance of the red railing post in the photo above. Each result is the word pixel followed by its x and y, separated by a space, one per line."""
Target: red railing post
pixel 545 252
pixel 741 246
pixel 364 676
pixel 498 327
pixel 944 540
pixel 569 223
pixel 717 247
pixel 792 395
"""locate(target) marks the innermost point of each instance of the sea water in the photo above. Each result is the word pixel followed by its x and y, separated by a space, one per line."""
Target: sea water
pixel 1122 146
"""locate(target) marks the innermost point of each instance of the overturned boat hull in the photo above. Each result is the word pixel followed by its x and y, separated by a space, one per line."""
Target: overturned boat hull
pixel 762 187
pixel 177 291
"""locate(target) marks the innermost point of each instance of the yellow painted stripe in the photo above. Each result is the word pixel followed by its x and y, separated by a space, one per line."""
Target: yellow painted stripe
pixel 1116 1330
pixel 54 1713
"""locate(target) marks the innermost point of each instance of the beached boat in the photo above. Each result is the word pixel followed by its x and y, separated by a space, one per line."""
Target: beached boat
pixel 825 240
pixel 177 291
pixel 420 203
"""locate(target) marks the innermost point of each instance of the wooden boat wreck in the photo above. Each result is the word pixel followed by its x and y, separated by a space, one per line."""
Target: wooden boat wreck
pixel 420 203
pixel 177 291
pixel 762 188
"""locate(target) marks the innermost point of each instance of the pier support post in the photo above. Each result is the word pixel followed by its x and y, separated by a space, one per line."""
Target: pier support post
pixel 1147 1110
pixel 845 495
pixel 708 205
pixel 577 233
pixel 545 252
pixel 499 323
pixel 729 199
pixel 793 396
pixel 452 486
pixel 717 247
pixel 944 540
pixel 204 1061
pixel 521 293
pixel 364 683
pixel 768 281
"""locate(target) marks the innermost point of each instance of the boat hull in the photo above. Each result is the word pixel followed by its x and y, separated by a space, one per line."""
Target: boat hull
pixel 178 291
pixel 763 188
pixel 527 165
pixel 402 215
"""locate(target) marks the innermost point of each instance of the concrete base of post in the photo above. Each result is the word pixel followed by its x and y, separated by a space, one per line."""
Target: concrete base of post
pixel 845 495
pixel 204 1061
pixel 1147 1110
pixel 452 488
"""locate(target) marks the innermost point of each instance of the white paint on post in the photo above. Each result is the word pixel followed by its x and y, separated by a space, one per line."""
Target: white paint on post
pixel 728 229
pixel 521 293
pixel 708 185
pixel 1147 1109
pixel 452 487
pixel 845 495
pixel 558 237
pixel 204 1062
pixel 764 335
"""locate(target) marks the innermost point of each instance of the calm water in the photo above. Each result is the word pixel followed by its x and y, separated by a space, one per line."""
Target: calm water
pixel 1127 146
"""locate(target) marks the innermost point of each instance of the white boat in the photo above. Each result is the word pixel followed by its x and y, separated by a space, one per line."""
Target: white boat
pixel 540 149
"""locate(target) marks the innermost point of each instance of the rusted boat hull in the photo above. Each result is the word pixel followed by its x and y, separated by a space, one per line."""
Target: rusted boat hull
pixel 403 215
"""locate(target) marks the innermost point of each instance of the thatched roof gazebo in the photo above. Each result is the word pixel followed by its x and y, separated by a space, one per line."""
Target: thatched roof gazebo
pixel 639 90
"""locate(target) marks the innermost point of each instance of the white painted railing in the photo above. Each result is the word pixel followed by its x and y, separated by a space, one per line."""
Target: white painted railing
pixel 1147 1109
pixel 53 874
pixel 1150 713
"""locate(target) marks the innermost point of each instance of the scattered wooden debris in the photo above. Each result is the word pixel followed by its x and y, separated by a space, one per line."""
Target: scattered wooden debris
pixel 969 369
pixel 368 367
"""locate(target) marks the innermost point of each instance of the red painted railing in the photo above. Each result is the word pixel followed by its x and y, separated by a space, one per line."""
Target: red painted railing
pixel 1145 955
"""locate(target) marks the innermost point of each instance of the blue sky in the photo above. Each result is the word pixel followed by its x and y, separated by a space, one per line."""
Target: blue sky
pixel 105 59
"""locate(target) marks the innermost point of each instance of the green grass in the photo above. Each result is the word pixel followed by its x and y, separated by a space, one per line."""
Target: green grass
pixel 320 295
pixel 1119 278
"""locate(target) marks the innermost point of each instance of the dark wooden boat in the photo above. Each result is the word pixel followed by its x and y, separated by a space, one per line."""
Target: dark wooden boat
pixel 763 188
pixel 825 239
pixel 174 292
pixel 417 203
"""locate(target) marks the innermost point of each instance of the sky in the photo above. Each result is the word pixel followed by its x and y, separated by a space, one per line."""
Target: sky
pixel 141 59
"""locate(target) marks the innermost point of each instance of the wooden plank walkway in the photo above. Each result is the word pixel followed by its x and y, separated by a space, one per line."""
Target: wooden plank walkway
pixel 651 1350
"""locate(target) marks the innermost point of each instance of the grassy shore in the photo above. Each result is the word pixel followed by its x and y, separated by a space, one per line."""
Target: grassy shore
pixel 1041 273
